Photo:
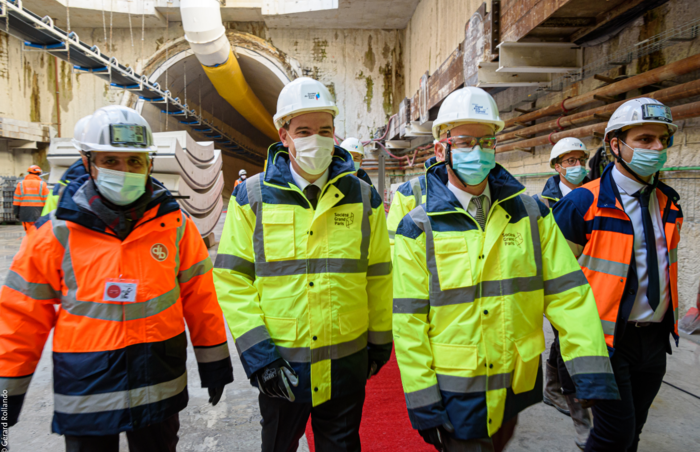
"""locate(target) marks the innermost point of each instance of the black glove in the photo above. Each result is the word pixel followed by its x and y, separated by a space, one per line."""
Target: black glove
pixel 373 367
pixel 433 436
pixel 215 394
pixel 274 380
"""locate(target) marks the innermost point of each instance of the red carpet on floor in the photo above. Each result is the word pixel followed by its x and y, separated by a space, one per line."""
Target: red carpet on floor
pixel 385 425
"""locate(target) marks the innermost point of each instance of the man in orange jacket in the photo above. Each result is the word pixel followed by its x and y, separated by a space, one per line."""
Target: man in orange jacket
pixel 30 196
pixel 128 268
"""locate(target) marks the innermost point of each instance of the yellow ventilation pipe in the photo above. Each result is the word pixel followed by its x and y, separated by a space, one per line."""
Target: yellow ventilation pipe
pixel 204 30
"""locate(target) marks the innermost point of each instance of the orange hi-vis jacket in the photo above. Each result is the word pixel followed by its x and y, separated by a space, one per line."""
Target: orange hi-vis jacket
pixel 601 235
pixel 119 344
pixel 31 194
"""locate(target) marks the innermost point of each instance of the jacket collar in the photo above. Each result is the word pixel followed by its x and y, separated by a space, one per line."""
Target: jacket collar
pixel 551 188
pixel 440 199
pixel 75 206
pixel 609 194
pixel 277 168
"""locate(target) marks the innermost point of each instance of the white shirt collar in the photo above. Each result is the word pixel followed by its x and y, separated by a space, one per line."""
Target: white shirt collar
pixel 565 190
pixel 465 198
pixel 626 184
pixel 302 183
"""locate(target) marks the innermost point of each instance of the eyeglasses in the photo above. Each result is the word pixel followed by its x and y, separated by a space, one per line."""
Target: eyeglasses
pixel 466 141
pixel 572 161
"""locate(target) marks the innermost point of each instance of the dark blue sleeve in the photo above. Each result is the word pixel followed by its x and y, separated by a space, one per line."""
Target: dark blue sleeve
pixel 569 214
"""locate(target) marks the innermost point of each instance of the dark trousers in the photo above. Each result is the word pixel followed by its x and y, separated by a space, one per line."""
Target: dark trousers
pixel 161 437
pixel 555 359
pixel 336 423
pixel 639 364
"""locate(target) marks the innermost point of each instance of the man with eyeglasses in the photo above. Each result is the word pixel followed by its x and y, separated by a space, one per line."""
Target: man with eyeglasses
pixel 475 267
pixel 625 229
pixel 568 158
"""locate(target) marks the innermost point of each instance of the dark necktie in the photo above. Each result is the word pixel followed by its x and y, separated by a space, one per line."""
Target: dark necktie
pixel 311 192
pixel 478 201
pixel 653 288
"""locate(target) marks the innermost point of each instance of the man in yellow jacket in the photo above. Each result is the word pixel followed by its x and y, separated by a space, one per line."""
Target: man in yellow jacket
pixel 476 267
pixel 303 276
pixel 408 196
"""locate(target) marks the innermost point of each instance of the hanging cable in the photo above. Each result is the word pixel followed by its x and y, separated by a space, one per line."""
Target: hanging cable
pixel 131 31
pixel 111 17
pixel 143 32
pixel 185 83
pixel 104 22
pixel 7 16
pixel 68 28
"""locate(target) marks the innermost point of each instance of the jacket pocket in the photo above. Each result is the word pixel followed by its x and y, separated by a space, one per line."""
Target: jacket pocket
pixel 278 234
pixel 282 329
pixel 354 321
pixel 452 262
pixel 527 362
pixel 454 357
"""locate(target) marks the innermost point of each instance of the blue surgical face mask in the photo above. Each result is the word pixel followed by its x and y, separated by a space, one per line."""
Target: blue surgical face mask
pixel 646 162
pixel 473 165
pixel 575 174
pixel 119 187
pixel 357 165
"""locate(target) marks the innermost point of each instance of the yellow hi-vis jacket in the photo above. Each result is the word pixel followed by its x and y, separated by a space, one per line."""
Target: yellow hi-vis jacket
pixel 408 196
pixel 468 307
pixel 311 286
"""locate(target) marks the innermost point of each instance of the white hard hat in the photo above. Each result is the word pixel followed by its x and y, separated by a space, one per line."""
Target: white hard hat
pixel 564 146
pixel 115 128
pixel 469 105
pixel 637 112
pixel 242 172
pixel 303 95
pixel 353 145
pixel 78 132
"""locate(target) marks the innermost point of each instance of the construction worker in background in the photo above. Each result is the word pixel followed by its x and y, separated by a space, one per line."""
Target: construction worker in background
pixel 624 228
pixel 303 275
pixel 357 151
pixel 408 196
pixel 568 158
pixel 476 266
pixel 128 269
pixel 75 171
pixel 30 197
pixel 242 175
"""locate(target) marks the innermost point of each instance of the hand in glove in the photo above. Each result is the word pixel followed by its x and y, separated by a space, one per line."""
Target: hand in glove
pixel 274 380
pixel 434 436
pixel 215 394
pixel 373 367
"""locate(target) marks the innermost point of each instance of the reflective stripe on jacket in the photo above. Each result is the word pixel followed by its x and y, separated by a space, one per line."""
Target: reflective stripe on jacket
pixel 602 237
pixel 30 197
pixel 118 366
pixel 468 308
pixel 310 286
pixel 408 196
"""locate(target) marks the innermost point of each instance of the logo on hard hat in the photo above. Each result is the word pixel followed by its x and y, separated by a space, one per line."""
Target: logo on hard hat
pixel 159 252
pixel 479 110
pixel 314 96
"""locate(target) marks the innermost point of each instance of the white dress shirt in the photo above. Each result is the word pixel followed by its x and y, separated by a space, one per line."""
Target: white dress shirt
pixel 641 311
pixel 465 199
pixel 302 183
pixel 565 190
